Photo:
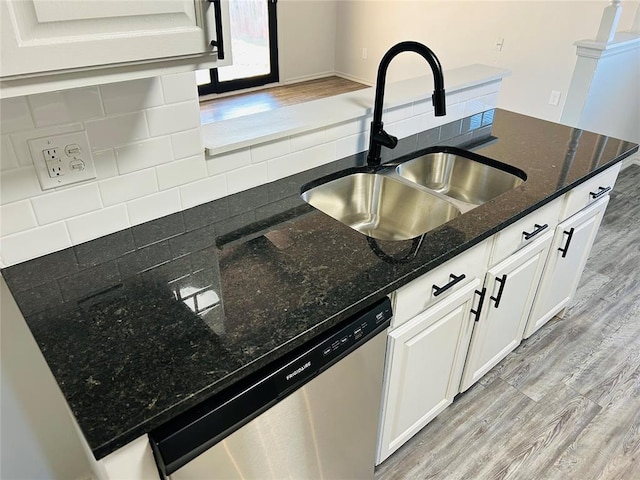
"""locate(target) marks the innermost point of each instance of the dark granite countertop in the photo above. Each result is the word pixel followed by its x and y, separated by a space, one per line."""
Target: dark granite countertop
pixel 143 324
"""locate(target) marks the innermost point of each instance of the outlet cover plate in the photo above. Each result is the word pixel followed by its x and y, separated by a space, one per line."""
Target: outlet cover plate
pixel 75 159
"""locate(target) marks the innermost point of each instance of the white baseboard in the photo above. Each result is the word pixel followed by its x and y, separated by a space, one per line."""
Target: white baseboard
pixel 353 78
pixel 306 78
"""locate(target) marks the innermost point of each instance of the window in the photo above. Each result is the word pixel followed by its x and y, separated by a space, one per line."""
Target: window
pixel 254 47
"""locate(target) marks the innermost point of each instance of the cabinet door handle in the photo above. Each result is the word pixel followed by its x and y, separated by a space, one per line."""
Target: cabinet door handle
pixel 438 290
pixel 537 230
pixel 502 281
pixel 478 310
pixel 566 246
pixel 601 191
pixel 218 42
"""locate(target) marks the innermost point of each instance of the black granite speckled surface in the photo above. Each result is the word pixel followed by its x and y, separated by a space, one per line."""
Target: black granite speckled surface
pixel 141 325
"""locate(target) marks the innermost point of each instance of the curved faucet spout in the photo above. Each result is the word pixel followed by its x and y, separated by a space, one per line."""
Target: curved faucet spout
pixel 379 137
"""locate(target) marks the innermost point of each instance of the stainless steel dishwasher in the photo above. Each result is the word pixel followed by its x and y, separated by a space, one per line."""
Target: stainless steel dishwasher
pixel 312 415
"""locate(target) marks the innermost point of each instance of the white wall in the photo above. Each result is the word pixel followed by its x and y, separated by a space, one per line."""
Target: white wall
pixel 538 41
pixel 306 39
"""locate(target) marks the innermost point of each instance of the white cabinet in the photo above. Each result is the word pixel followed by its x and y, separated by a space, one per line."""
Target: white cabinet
pixel 425 357
pixel 414 297
pixel 510 289
pixel 569 252
pixel 65 37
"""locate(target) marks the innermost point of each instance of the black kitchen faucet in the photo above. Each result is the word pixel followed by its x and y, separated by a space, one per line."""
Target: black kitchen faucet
pixel 379 137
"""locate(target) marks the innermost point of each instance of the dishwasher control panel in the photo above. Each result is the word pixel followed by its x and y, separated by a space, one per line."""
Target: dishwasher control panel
pixel 327 352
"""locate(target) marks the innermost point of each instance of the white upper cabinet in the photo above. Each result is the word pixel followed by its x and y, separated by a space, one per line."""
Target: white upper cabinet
pixel 42 37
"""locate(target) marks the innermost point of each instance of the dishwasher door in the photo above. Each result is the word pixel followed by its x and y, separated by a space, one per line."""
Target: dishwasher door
pixel 312 414
pixel 325 430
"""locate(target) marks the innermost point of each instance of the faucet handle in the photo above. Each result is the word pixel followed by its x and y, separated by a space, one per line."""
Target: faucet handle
pixel 383 138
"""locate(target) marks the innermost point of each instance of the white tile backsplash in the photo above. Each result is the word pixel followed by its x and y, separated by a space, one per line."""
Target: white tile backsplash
pixel 229 161
pixel 15 115
pixel 246 178
pixel 145 154
pixel 186 144
pixel 132 96
pixel 147 146
pixel 16 217
pixel 308 140
pixel 19 184
pixel 154 206
pixel 203 191
pixel 403 128
pixel 128 187
pixel 268 150
pixel 66 106
pixel 352 144
pixel 398 113
pixel 116 131
pixel 173 118
pixel 344 129
pixel 67 203
pixel 181 171
pixel 34 243
pixel 179 87
pixel 423 106
pixel 301 160
pixel 7 157
pixel 105 164
pixel 97 224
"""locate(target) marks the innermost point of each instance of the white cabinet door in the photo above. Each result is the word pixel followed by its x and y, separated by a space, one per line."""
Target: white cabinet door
pixel 510 289
pixel 569 252
pixel 424 363
pixel 46 36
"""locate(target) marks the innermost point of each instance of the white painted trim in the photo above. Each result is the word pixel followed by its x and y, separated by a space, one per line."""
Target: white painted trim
pixel 306 78
pixel 353 78
pixel 623 42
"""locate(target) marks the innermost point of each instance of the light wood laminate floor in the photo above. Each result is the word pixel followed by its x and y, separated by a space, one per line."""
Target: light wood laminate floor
pixel 234 106
pixel 566 403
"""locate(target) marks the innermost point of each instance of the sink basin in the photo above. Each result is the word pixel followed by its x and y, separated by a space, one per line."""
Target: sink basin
pixel 459 177
pixel 380 206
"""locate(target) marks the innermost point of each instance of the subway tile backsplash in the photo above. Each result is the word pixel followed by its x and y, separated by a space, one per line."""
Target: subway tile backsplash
pixel 146 142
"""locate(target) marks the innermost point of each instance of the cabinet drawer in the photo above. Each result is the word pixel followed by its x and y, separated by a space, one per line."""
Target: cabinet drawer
pixel 415 297
pixel 590 191
pixel 526 230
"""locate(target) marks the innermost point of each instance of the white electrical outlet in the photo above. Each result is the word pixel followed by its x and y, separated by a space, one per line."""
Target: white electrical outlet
pixel 554 98
pixel 62 159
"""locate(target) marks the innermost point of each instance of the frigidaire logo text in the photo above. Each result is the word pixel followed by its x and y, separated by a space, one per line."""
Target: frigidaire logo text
pixel 298 370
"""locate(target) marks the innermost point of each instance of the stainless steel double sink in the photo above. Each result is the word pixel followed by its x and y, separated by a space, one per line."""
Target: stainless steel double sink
pixel 404 200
